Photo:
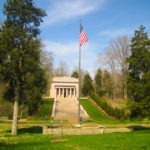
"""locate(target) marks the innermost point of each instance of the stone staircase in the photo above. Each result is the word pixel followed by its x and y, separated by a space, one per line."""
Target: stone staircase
pixel 67 109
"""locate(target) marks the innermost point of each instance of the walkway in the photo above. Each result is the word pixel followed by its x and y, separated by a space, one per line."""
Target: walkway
pixel 67 109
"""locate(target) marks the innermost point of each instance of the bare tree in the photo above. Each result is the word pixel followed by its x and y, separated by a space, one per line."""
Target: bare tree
pixel 110 60
pixel 121 50
pixel 61 70
pixel 47 59
pixel 1 22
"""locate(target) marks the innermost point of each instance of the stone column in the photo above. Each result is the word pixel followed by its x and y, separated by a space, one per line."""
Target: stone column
pixel 66 92
pixel 62 93
pixel 56 92
pixel 59 92
pixel 73 92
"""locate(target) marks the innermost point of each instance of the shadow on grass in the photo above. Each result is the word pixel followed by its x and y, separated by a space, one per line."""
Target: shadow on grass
pixel 2 144
pixel 34 129
pixel 138 127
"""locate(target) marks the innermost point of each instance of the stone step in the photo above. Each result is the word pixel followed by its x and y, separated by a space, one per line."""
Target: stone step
pixel 67 109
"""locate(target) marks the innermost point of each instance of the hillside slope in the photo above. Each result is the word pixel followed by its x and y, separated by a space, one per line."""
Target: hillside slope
pixel 95 113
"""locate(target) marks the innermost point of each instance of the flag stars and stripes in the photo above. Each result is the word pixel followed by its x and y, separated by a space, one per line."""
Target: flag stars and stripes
pixel 83 37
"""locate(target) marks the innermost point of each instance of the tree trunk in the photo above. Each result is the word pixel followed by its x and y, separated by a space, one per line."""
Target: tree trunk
pixel 125 95
pixel 15 111
pixel 114 84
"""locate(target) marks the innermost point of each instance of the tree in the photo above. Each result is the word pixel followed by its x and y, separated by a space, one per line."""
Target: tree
pixel 139 74
pixel 98 82
pixel 107 83
pixel 87 85
pixel 111 61
pixel 20 55
pixel 116 56
pixel 75 74
pixel 61 70
pixel 1 23
pixel 121 50
pixel 47 59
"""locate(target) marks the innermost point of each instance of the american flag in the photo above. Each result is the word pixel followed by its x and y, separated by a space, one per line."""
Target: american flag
pixel 83 37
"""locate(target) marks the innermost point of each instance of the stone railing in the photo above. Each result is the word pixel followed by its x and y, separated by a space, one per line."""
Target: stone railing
pixel 77 129
pixel 53 110
pixel 82 109
pixel 72 131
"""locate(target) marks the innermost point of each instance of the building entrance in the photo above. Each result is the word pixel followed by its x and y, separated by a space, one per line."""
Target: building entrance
pixel 64 88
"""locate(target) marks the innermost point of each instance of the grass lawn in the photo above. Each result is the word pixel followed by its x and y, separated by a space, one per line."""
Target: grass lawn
pixel 95 114
pixel 30 135
pixel 32 139
pixel 44 110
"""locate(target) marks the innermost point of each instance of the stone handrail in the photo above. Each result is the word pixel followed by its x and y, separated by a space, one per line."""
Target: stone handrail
pixel 86 114
pixel 54 106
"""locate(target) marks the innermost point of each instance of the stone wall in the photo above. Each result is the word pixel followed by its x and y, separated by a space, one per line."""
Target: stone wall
pixel 81 130
pixel 72 131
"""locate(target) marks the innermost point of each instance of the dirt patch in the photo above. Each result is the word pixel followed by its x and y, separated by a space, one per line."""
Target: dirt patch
pixel 59 140
pixel 118 103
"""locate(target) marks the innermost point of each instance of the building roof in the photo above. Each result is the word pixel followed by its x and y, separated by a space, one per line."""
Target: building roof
pixel 65 79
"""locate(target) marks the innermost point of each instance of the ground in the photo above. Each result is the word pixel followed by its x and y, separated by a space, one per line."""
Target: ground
pixel 30 138
pixel 119 103
pixel 30 133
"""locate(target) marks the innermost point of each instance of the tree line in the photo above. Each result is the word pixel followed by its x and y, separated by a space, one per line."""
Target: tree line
pixel 127 74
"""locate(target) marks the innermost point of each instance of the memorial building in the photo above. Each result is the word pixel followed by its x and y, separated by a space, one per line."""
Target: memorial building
pixel 64 88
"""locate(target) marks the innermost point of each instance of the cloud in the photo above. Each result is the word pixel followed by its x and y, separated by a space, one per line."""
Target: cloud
pixel 113 33
pixel 60 49
pixel 69 52
pixel 68 9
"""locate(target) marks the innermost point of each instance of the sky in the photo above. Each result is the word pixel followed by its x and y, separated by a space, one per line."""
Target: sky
pixel 102 20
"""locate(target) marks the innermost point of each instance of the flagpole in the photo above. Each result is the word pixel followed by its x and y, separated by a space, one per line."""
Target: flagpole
pixel 82 40
pixel 79 78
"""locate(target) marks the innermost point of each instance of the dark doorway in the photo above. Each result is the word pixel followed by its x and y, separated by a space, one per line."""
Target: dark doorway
pixel 64 93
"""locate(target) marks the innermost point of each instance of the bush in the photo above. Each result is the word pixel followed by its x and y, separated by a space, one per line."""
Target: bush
pixel 115 112
pixel 6 108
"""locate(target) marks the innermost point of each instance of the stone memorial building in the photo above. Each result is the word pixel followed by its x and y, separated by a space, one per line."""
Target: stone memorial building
pixel 64 88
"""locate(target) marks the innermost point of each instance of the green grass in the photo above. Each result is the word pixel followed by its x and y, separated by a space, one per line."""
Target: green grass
pixel 98 116
pixel 44 110
pixel 32 139
pixel 95 114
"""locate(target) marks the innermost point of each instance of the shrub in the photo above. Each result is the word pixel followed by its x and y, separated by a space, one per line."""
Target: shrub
pixel 115 112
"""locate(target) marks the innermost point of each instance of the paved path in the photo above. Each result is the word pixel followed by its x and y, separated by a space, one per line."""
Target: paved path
pixel 67 109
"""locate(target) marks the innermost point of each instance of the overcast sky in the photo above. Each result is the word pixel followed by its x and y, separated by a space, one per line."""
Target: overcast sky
pixel 102 20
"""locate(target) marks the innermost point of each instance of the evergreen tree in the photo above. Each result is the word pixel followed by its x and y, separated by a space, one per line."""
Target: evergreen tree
pixel 87 85
pixel 107 83
pixel 98 82
pixel 20 49
pixel 139 74
pixel 75 74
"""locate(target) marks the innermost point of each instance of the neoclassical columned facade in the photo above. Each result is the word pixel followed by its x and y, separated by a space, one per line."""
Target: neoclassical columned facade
pixel 64 88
